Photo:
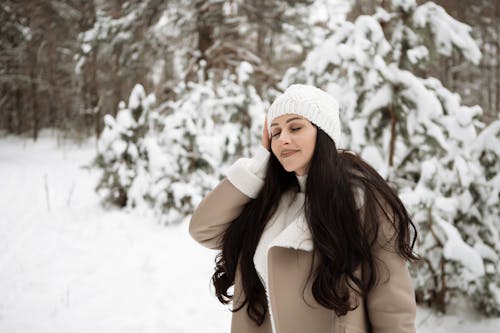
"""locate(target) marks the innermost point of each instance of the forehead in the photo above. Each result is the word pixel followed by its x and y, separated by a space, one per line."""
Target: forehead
pixel 283 119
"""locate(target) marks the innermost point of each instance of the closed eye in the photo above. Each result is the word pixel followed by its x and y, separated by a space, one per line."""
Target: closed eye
pixel 295 129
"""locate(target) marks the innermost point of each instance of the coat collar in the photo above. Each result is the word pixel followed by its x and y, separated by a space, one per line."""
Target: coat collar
pixel 296 235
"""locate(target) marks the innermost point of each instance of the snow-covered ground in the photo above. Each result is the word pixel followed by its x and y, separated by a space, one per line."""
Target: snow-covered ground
pixel 68 265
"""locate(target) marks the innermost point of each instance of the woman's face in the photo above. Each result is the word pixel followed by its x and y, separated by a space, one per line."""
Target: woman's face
pixel 293 139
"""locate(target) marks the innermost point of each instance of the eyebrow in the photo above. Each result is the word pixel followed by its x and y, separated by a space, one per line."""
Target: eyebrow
pixel 288 120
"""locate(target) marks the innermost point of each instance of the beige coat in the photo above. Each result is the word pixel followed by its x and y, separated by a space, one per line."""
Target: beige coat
pixel 390 305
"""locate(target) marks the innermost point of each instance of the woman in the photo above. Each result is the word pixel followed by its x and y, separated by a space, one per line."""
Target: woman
pixel 312 238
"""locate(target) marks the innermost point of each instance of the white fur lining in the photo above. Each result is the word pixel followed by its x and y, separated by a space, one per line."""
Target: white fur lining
pixel 296 235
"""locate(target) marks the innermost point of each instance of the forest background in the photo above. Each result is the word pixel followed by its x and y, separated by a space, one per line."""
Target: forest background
pixel 175 91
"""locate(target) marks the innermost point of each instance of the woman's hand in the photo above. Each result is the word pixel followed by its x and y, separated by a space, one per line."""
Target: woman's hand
pixel 266 141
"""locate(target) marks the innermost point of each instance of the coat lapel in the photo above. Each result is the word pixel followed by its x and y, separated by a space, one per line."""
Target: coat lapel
pixel 297 234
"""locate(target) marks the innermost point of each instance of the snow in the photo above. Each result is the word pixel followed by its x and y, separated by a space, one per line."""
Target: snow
pixel 496 291
pixel 382 15
pixel 137 95
pixel 447 206
pixel 357 128
pixel 406 5
pixel 464 173
pixel 82 268
pixel 486 251
pixel 86 48
pixel 245 69
pixel 156 72
pixel 460 320
pixel 456 249
pixel 381 98
pixel 447 32
pixel 427 104
pixel 125 119
pixel 486 139
pixel 79 65
pixel 369 40
pixel 70 265
pixel 372 155
pixel 362 42
pixel 327 12
pixel 318 59
pixel 417 54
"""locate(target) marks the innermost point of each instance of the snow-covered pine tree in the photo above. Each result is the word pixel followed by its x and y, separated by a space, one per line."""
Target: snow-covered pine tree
pixel 121 152
pixel 166 163
pixel 484 213
pixel 422 139
pixel 211 124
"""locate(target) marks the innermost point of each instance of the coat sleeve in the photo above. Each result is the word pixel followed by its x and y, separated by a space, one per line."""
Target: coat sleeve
pixel 391 304
pixel 222 205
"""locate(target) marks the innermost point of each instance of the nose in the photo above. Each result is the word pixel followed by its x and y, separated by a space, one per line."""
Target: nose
pixel 283 138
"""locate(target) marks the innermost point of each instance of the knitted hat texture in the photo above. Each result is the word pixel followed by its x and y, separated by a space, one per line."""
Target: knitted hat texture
pixel 312 103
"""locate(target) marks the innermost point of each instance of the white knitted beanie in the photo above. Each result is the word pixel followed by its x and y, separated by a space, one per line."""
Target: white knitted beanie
pixel 319 107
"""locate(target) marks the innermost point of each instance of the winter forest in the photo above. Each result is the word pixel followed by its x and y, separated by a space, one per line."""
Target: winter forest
pixel 117 117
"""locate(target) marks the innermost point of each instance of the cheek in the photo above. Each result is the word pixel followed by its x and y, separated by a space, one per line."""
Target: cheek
pixel 311 145
pixel 273 147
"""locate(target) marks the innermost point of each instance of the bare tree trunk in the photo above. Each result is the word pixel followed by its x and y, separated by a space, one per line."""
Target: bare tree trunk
pixel 52 88
pixel 497 60
pixel 117 82
pixel 18 110
pixel 94 97
pixel 90 91
pixel 7 113
pixel 20 90
pixel 205 30
pixel 34 103
pixel 482 100
pixel 262 33
pixel 20 116
pixel 491 85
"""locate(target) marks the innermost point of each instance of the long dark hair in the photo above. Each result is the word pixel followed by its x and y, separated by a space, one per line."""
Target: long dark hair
pixel 342 238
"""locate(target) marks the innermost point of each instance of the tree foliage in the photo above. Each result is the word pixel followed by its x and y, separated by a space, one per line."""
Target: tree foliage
pixel 421 137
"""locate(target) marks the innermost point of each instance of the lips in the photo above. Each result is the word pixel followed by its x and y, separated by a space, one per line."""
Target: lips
pixel 287 153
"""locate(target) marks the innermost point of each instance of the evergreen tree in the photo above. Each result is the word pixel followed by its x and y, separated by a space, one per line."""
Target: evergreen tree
pixel 166 164
pixel 122 155
pixel 422 139
pixel 211 124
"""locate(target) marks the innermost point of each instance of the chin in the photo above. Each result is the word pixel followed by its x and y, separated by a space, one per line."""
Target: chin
pixel 289 169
